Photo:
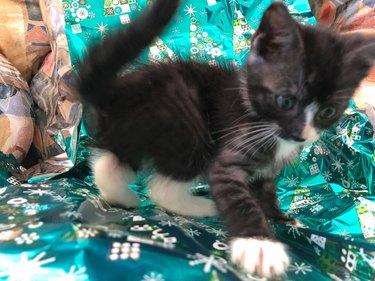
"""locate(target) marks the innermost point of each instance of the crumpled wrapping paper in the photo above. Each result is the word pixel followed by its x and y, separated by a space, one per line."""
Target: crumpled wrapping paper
pixel 61 230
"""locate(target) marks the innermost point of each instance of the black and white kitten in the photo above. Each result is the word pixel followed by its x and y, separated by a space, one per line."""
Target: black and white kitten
pixel 235 127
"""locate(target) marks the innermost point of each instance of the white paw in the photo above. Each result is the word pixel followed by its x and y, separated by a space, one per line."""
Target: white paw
pixel 262 257
pixel 112 179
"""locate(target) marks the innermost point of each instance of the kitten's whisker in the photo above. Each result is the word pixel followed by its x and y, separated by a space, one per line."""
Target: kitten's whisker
pixel 263 142
pixel 253 139
pixel 244 125
pixel 344 90
pixel 253 136
pixel 238 131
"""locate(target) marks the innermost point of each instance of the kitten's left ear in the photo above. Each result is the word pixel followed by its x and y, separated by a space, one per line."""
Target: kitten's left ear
pixel 359 53
pixel 278 34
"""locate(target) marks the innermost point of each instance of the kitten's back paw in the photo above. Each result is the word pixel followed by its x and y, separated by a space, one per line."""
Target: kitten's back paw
pixel 112 179
pixel 262 257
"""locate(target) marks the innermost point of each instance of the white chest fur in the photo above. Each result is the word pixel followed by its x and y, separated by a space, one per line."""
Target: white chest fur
pixel 286 150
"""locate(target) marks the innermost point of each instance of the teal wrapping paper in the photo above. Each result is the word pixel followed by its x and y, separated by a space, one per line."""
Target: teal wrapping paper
pixel 60 229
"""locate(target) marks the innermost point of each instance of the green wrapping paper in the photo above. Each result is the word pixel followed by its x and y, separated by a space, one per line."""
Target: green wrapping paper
pixel 60 229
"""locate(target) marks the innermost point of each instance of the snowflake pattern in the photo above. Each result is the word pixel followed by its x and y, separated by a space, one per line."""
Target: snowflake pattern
pixel 318 197
pixel 193 232
pixel 208 262
pixel 350 164
pixel 327 175
pixel 115 233
pixel 74 274
pixel 39 192
pixel 25 268
pixel 101 28
pixel 293 230
pixel 291 181
pixel 217 232
pixel 87 233
pixel 345 233
pixel 153 276
pixel 167 223
pixel 337 165
pixel 29 205
pixel 300 268
pixel 190 10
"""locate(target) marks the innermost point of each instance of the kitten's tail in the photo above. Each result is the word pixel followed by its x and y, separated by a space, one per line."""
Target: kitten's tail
pixel 104 60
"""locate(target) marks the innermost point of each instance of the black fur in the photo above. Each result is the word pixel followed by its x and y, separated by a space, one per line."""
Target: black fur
pixel 190 118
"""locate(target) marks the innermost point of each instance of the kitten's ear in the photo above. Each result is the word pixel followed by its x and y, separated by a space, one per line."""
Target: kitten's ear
pixel 277 35
pixel 359 53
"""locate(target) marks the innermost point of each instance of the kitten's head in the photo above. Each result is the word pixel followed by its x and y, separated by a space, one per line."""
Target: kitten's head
pixel 302 78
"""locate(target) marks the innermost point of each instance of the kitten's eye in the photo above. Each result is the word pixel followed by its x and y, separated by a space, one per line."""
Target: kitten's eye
pixel 285 102
pixel 328 112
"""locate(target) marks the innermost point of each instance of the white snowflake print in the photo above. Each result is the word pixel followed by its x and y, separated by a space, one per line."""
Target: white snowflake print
pixel 115 233
pixel 39 192
pixel 72 215
pixel 73 274
pixel 327 175
pixel 318 197
pixel 259 7
pixel 217 232
pixel 102 28
pixel 345 233
pixel 333 209
pixel 203 13
pixel 181 220
pixel 337 165
pixel 300 268
pixel 27 238
pixel 293 230
pixel 153 276
pixel 87 233
pixel 60 198
pixel 317 250
pixel 190 10
pixel 350 164
pixel 303 156
pixel 167 223
pixel 327 187
pixel 193 232
pixel 25 268
pixel 345 195
pixel 175 30
pixel 208 262
pixel 31 205
pixel 291 181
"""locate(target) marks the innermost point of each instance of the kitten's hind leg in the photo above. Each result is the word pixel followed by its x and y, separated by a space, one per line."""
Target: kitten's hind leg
pixel 113 178
pixel 174 196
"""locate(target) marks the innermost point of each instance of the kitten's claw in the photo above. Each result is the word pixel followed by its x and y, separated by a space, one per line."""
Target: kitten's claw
pixel 260 257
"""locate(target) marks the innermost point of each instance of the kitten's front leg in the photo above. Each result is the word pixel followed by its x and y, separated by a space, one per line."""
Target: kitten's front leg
pixel 265 191
pixel 252 246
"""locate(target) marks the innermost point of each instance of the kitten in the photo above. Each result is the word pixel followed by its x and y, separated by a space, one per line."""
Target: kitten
pixel 236 127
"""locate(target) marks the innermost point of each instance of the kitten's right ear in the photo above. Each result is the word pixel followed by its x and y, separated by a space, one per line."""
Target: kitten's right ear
pixel 277 35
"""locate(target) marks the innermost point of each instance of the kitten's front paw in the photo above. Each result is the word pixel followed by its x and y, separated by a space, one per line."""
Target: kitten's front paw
pixel 262 257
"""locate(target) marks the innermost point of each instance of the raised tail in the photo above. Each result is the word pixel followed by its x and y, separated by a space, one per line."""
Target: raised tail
pixel 104 60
